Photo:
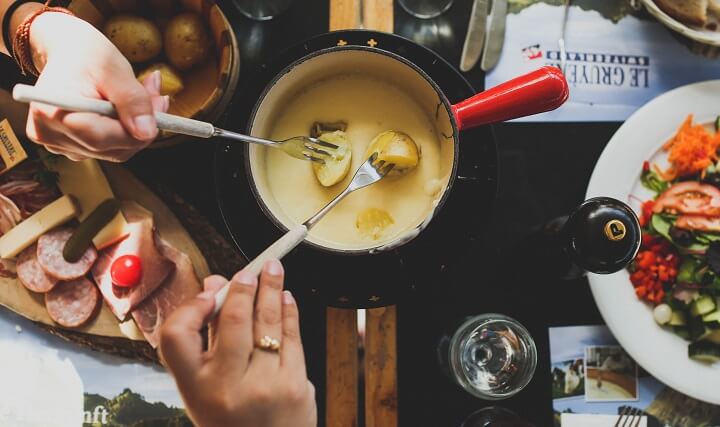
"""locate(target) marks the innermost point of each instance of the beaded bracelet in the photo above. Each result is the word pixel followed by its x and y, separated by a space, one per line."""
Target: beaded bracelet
pixel 21 49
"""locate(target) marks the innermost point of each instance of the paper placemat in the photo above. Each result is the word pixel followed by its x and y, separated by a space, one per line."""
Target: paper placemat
pixel 617 59
pixel 592 374
pixel 48 382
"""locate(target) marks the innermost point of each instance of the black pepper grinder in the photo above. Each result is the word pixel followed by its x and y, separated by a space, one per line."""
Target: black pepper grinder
pixel 601 236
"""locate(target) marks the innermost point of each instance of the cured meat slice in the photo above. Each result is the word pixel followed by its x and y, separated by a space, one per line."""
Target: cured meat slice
pixel 690 198
pixel 31 275
pixel 72 303
pixel 155 267
pixel 10 214
pixel 50 256
pixel 179 286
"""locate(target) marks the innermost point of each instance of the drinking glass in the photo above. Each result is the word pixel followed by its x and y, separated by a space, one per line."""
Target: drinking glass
pixel 494 417
pixel 262 10
pixel 426 9
pixel 491 356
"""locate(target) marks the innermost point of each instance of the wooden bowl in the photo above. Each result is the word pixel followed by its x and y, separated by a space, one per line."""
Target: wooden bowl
pixel 208 86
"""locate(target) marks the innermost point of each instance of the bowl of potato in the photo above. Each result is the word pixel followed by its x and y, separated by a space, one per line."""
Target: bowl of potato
pixel 189 41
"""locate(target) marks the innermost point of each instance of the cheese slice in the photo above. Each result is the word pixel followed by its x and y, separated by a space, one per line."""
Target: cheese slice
pixel 27 232
pixel 86 182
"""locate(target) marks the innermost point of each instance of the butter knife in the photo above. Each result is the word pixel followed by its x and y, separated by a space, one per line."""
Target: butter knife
pixel 475 37
pixel 495 35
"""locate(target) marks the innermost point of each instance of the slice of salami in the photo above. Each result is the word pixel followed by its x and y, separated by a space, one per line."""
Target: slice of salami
pixel 72 303
pixel 50 256
pixel 31 275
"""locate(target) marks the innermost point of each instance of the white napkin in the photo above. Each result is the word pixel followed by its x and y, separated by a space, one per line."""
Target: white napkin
pixel 593 420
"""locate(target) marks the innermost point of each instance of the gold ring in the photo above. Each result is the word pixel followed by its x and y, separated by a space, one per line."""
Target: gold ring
pixel 269 343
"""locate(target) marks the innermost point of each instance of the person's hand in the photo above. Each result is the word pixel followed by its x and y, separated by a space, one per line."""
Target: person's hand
pixel 73 56
pixel 234 383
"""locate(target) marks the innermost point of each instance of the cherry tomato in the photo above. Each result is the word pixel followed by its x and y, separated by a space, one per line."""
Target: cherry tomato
pixel 126 271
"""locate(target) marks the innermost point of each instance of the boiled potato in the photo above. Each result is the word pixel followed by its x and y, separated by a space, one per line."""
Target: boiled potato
pixel 336 168
pixel 123 5
pixel 137 38
pixel 372 222
pixel 186 41
pixel 171 82
pixel 396 148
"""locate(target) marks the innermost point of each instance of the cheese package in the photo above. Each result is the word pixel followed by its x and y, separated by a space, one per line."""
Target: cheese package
pixel 86 182
pixel 27 232
pixel 11 151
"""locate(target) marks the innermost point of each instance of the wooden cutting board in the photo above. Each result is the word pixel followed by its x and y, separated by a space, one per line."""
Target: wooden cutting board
pixel 104 332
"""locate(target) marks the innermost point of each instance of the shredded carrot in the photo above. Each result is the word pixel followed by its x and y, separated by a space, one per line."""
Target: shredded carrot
pixel 692 150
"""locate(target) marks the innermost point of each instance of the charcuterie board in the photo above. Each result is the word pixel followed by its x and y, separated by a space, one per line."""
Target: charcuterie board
pixel 104 331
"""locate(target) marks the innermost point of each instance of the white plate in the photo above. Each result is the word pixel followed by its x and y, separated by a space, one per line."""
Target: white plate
pixel 617 174
pixel 703 35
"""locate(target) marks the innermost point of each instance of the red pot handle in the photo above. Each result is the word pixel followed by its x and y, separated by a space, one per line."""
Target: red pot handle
pixel 541 90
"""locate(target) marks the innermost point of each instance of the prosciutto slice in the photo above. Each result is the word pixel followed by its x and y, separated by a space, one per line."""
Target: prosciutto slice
pixel 180 285
pixel 155 266
pixel 10 214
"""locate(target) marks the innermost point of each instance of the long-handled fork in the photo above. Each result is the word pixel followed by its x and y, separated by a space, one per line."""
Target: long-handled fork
pixel 629 417
pixel 369 173
pixel 300 147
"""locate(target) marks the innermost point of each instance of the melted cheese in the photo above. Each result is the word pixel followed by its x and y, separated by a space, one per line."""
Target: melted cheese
pixel 370 107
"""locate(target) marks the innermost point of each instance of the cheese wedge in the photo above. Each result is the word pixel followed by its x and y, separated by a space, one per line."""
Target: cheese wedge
pixel 27 232
pixel 86 182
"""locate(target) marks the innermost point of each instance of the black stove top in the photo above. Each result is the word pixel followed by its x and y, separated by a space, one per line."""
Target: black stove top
pixel 367 280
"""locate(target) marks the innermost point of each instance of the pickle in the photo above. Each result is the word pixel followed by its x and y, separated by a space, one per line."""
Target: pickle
pixel 83 235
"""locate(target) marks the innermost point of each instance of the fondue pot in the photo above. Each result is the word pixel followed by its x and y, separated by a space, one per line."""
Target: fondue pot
pixel 317 275
pixel 539 91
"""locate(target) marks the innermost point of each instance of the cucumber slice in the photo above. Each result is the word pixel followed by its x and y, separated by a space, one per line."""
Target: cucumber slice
pixel 704 351
pixel 713 316
pixel 686 271
pixel 703 305
pixel 677 319
pixel 717 124
pixel 681 332
pixel 696 328
pixel 713 336
pixel 714 326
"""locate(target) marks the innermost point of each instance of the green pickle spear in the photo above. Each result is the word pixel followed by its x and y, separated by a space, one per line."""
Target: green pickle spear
pixel 82 238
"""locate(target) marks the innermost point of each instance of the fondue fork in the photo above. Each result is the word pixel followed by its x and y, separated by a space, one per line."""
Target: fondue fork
pixel 300 147
pixel 369 173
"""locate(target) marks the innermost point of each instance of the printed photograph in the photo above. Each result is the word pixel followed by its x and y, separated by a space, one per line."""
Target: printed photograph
pixel 611 375
pixel 79 387
pixel 568 379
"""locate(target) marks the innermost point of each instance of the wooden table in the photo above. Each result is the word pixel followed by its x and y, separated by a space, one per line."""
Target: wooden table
pixel 343 385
